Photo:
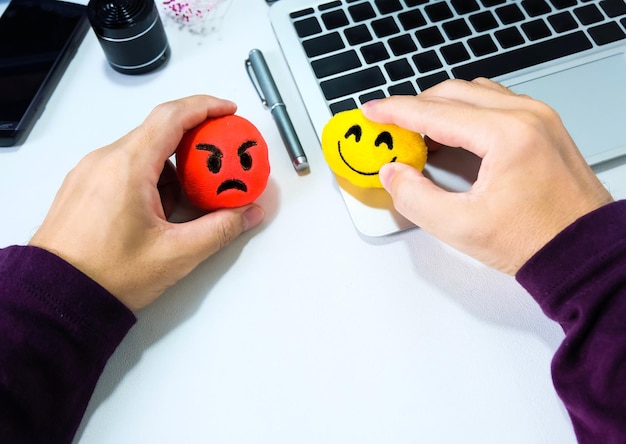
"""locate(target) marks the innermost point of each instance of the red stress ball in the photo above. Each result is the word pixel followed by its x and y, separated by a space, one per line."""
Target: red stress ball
pixel 223 163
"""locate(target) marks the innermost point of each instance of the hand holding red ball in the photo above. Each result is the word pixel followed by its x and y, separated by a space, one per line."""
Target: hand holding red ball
pixel 223 163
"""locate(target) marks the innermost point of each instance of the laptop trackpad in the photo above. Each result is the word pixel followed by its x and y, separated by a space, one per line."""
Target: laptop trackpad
pixel 590 99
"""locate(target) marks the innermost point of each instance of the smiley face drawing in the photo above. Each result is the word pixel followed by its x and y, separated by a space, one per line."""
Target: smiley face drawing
pixel 223 163
pixel 355 148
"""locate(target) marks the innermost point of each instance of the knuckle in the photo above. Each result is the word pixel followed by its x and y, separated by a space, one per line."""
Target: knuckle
pixel 541 111
pixel 165 109
pixel 163 113
pixel 227 231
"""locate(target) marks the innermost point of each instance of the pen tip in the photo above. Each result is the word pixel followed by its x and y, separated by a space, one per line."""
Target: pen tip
pixel 301 163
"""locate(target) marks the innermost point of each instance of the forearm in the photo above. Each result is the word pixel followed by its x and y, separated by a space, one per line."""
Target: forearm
pixel 57 330
pixel 579 279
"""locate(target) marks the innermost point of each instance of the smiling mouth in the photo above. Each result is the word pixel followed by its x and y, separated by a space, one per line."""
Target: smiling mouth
pixel 232 184
pixel 363 173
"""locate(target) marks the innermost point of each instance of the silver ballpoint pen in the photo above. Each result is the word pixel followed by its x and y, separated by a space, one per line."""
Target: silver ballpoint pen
pixel 263 82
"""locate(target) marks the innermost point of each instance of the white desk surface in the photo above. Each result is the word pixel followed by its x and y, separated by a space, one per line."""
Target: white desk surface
pixel 302 331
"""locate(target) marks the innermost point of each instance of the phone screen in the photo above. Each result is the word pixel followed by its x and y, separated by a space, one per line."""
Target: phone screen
pixel 37 41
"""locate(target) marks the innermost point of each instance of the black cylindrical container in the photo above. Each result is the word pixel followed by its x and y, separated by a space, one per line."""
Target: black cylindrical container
pixel 131 34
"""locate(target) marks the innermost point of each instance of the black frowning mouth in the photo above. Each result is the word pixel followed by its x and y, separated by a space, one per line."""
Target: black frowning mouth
pixel 232 184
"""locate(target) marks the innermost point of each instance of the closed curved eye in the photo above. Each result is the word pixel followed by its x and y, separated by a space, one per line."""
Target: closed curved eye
pixel 245 158
pixel 214 161
pixel 385 138
pixel 354 130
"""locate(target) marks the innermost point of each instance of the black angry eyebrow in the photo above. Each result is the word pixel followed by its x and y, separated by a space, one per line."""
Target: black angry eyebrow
pixel 354 130
pixel 209 147
pixel 385 138
pixel 244 146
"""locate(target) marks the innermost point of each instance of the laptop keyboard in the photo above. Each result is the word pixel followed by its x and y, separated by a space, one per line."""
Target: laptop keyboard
pixel 362 50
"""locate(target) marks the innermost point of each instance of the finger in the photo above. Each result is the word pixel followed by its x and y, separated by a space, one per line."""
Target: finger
pixel 417 198
pixel 166 124
pixel 449 122
pixel 479 92
pixel 487 83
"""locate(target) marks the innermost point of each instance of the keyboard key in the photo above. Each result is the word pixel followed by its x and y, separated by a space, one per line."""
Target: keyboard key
pixel 428 37
pixel 482 45
pixel 588 14
pixel 374 53
pixel 329 5
pixel 509 37
pixel 357 35
pixel 613 8
pixel 388 6
pixel 563 21
pixel 536 30
pixel 336 64
pixel 399 69
pixel 562 4
pixel 431 80
pixel 402 89
pixel 307 27
pixel 465 6
pixel 455 53
pixel 304 12
pixel 344 105
pixel 323 44
pixel 510 14
pixel 411 3
pixel 362 11
pixel 606 33
pixel 535 8
pixel 488 3
pixel 456 29
pixel 402 45
pixel 411 19
pixel 524 57
pixel 427 61
pixel 385 27
pixel 378 94
pixel 483 21
pixel 335 19
pixel 438 12
pixel 352 83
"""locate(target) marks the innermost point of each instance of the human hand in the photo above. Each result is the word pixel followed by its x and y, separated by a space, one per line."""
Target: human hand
pixel 532 183
pixel 108 218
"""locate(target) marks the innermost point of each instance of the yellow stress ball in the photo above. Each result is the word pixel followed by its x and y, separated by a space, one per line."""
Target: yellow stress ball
pixel 355 147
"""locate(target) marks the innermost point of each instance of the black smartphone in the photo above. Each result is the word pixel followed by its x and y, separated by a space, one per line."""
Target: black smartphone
pixel 38 39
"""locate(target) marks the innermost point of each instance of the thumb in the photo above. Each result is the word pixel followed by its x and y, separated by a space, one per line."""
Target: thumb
pixel 210 233
pixel 415 196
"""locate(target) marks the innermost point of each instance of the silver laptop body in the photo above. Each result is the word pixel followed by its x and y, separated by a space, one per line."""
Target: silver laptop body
pixel 568 53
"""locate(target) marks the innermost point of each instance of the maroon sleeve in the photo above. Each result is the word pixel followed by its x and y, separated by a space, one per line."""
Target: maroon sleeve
pixel 579 280
pixel 57 330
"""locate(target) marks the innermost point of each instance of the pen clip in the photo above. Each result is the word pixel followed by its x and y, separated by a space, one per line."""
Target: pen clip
pixel 255 82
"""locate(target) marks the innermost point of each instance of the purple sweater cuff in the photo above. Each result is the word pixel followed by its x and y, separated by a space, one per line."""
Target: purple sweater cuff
pixel 576 257
pixel 58 328
pixel 579 280
pixel 59 288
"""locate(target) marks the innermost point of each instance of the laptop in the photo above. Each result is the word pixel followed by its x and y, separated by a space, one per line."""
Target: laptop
pixel 567 53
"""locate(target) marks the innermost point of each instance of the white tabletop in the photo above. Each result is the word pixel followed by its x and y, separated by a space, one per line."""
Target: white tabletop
pixel 302 331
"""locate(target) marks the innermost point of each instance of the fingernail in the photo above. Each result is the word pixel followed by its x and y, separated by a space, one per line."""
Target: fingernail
pixel 367 105
pixel 252 217
pixel 386 174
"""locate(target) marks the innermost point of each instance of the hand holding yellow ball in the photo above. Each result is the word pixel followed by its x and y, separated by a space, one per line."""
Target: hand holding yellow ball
pixel 355 148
